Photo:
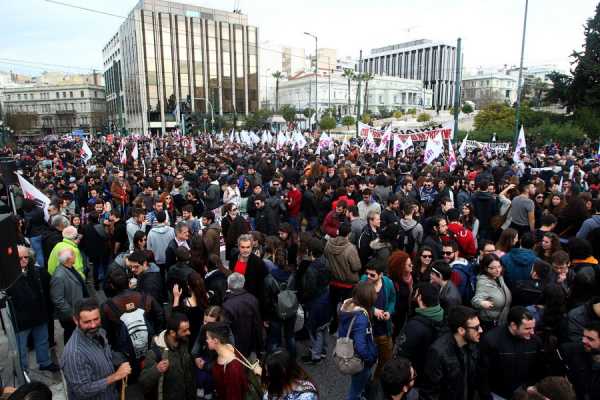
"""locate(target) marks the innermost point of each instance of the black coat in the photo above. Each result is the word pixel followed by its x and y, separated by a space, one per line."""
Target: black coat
pixel 151 283
pixel 232 230
pixel 445 371
pixel 255 275
pixel 508 362
pixel 583 372
pixel 241 309
pixel 27 300
pixel 49 239
pixel 266 221
pixel 579 317
pixel 215 284
pixel 170 258
pixel 93 244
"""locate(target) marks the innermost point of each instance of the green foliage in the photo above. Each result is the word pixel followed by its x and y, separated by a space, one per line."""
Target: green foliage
pixel 366 118
pixel 559 93
pixel 411 111
pixel 327 123
pixel 496 117
pixel 589 120
pixel 288 112
pixel 584 91
pixel 423 117
pixel 398 114
pixel 348 120
pixel 467 108
pixel 384 112
pixel 258 120
pixel 567 133
pixel 308 112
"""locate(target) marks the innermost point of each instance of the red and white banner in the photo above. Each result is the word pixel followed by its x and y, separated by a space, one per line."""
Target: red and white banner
pixel 32 193
pixel 416 135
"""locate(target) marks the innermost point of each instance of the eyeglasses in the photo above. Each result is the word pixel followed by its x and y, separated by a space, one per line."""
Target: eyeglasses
pixel 23 257
pixel 476 328
pixel 426 256
pixel 447 253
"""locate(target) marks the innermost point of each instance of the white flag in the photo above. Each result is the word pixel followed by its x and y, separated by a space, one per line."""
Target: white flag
pixel 434 147
pixel 193 147
pixel 86 152
pixel 370 142
pixel 451 156
pixel 400 144
pixel 124 156
pixel 134 153
pixel 32 193
pixel 462 150
pixel 385 140
pixel 521 147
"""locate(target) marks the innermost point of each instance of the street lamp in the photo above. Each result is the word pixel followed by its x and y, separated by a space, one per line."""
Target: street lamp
pixel 212 112
pixel 316 72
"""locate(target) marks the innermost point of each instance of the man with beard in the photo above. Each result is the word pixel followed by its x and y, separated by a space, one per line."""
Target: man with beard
pixel 583 362
pixel 168 367
pixel 87 361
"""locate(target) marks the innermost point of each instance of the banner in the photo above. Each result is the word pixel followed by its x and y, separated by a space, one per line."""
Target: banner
pixel 492 146
pixel 521 147
pixel 434 147
pixel 86 152
pixel 416 135
pixel 32 193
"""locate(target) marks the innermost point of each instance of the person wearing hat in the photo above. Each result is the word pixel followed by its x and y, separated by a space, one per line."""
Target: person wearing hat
pixel 384 307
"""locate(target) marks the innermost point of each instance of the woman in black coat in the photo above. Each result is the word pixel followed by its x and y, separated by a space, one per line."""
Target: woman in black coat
pixel 95 244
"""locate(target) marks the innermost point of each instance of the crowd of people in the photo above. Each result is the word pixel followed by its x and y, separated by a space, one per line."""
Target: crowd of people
pixel 190 272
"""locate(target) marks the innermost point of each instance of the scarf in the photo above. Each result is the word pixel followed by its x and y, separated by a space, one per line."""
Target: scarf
pixel 435 313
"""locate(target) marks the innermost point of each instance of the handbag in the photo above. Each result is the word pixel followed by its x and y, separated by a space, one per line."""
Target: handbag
pixel 344 356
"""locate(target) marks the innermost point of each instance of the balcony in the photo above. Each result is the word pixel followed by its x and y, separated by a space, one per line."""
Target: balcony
pixel 65 112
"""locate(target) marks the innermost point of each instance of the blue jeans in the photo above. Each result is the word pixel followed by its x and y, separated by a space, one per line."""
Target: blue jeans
pixel 295 223
pixel 276 328
pixel 100 267
pixel 318 342
pixel 40 341
pixel 358 383
pixel 36 245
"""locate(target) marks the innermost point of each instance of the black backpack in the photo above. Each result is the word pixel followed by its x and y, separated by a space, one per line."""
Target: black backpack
pixel 406 239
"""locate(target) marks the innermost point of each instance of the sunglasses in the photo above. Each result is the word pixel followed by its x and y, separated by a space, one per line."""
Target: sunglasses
pixel 447 253
pixel 426 256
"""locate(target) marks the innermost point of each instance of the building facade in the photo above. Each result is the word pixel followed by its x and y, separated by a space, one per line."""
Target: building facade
pixel 60 109
pixel 384 93
pixel 433 63
pixel 483 89
pixel 173 58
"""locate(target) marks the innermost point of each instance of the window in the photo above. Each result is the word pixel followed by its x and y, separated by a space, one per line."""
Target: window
pixel 95 93
pixel 57 95
pixel 380 99
pixel 18 97
pixel 81 93
pixel 64 95
pixel 70 94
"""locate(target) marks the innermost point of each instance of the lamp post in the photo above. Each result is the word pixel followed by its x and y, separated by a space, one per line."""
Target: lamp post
pixel 316 73
pixel 518 111
pixel 212 111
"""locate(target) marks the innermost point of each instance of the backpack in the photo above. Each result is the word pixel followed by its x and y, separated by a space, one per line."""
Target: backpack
pixel 134 330
pixel 255 390
pixel 465 279
pixel 344 356
pixel 406 240
pixel 287 300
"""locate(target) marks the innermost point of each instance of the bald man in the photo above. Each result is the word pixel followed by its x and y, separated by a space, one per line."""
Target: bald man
pixel 70 241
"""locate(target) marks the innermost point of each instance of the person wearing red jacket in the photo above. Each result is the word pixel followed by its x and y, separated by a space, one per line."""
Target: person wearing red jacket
pixel 294 203
pixel 334 218
pixel 467 245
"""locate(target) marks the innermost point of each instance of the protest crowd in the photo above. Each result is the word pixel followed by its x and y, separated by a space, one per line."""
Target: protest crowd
pixel 190 268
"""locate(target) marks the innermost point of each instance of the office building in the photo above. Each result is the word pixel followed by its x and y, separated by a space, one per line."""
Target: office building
pixel 170 58
pixel 493 87
pixel 432 62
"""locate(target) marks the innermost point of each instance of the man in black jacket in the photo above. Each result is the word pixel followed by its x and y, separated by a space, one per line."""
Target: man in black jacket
pixel 422 329
pixel 485 207
pixel 242 311
pixel 582 316
pixel 149 280
pixel 370 232
pixel 265 221
pixel 510 355
pixel 252 268
pixel 583 362
pixel 182 238
pixel 27 303
pixel 451 366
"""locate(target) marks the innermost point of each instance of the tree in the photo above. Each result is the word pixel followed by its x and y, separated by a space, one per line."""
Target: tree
pixel 366 118
pixel 277 75
pixel 308 112
pixel 366 77
pixel 467 108
pixel 258 120
pixel 496 117
pixel 539 87
pixel 327 123
pixel 559 92
pixel 349 75
pixel 585 89
pixel 397 114
pixel 411 111
pixel 348 121
pixel 288 112
pixel 424 117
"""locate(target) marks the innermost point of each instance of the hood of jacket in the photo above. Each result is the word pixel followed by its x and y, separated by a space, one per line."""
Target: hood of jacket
pixel 215 226
pixel 522 257
pixel 377 244
pixel 338 245
pixel 408 224
pixel 132 221
pixel 161 229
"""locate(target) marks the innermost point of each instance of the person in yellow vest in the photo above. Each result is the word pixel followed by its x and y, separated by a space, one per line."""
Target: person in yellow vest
pixel 71 241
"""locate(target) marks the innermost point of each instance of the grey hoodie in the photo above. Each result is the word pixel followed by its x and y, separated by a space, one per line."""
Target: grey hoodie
pixel 132 228
pixel 416 232
pixel 158 240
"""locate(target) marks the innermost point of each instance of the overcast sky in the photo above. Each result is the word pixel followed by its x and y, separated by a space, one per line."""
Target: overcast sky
pixel 43 32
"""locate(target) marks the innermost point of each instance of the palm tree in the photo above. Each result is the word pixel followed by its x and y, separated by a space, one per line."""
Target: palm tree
pixel 277 75
pixel 366 77
pixel 348 74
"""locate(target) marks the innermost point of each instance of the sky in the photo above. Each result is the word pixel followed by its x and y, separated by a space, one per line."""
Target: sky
pixel 68 39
